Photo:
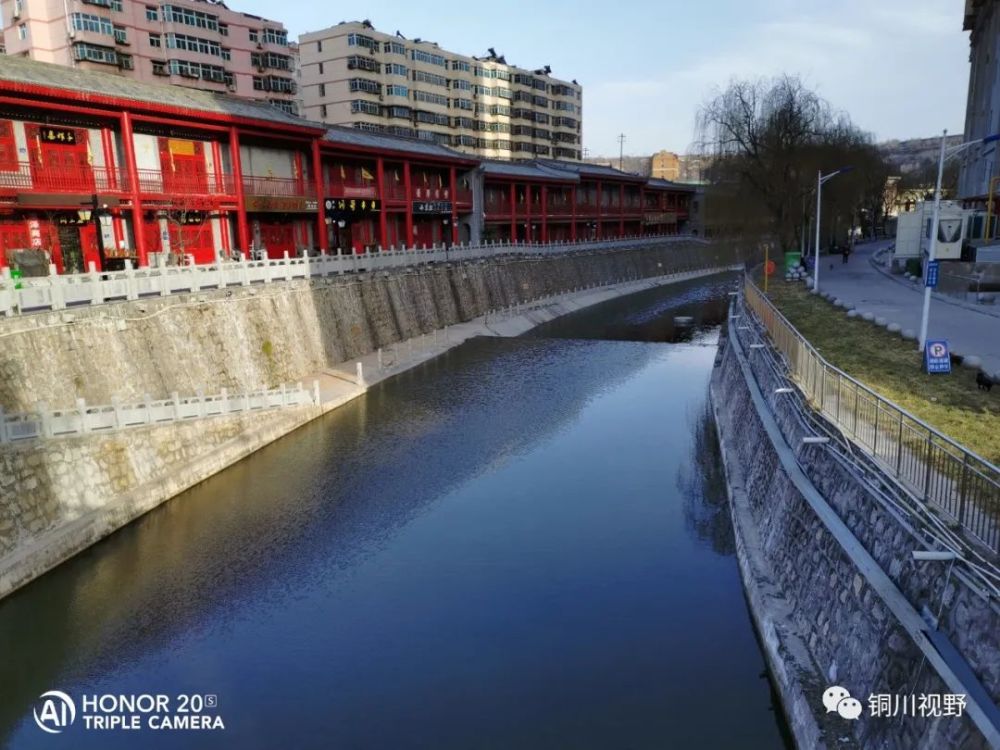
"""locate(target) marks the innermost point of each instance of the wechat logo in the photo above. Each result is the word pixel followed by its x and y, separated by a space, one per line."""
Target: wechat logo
pixel 839 700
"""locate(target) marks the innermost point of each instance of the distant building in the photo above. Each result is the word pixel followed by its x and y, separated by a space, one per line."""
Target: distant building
pixel 665 165
pixel 195 43
pixel 982 112
pixel 357 76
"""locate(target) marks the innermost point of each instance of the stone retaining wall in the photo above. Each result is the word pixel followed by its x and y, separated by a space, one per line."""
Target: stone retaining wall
pixel 821 620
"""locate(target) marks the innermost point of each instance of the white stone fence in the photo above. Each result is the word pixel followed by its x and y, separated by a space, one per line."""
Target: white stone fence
pixel 58 292
pixel 87 419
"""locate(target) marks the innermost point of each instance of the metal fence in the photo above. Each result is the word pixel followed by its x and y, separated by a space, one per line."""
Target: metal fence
pixel 87 419
pixel 933 467
pixel 57 292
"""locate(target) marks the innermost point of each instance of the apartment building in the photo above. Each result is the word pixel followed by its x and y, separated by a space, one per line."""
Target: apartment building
pixel 353 75
pixel 980 168
pixel 195 43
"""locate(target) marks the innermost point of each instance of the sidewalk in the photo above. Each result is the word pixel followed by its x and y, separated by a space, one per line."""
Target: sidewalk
pixel 968 332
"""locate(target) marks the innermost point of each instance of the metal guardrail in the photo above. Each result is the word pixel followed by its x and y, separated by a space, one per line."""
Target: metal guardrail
pixel 57 292
pixel 87 419
pixel 932 466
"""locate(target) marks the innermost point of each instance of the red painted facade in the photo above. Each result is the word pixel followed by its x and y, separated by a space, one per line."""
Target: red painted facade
pixel 176 183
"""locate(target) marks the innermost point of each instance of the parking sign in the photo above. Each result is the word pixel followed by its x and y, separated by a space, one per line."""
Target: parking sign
pixel 937 358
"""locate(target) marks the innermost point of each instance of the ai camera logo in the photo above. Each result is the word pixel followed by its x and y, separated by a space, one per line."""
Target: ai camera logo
pixel 57 712
pixel 838 699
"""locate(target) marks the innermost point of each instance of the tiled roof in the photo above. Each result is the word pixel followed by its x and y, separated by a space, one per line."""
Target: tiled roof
pixel 658 183
pixel 20 70
pixel 364 139
pixel 591 170
pixel 528 170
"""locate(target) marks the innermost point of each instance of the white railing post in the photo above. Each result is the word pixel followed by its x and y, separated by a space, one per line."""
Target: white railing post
pixel 57 295
pixel 44 418
pixel 175 402
pixel 131 292
pixel 81 408
pixel 288 268
pixel 315 393
pixel 244 270
pixel 96 284
pixel 361 374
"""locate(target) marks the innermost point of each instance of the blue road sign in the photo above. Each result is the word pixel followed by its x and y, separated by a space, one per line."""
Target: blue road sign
pixel 937 358
pixel 933 270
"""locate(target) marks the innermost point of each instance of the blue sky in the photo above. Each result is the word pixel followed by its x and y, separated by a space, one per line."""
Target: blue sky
pixel 898 67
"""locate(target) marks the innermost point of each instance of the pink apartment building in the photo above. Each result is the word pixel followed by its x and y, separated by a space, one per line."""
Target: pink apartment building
pixel 197 43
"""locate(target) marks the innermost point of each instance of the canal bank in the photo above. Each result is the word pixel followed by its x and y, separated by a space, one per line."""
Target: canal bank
pixel 521 543
pixel 61 496
pixel 826 541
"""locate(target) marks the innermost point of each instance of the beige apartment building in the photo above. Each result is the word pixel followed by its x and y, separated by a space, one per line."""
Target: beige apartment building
pixel 353 75
pixel 665 165
pixel 196 43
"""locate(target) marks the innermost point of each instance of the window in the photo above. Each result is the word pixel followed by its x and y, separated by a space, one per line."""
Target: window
pixel 368 108
pixel 458 83
pixel 284 105
pixel 254 35
pixel 394 48
pixel 155 40
pixel 151 13
pixel 322 90
pixel 431 78
pixel 463 140
pixel 319 47
pixel 396 90
pixel 160 68
pixel 224 29
pixel 426 96
pixel 419 55
pixel 462 103
pixel 227 54
pixel 395 69
pixel 365 84
pixel 276 36
pixel 321 68
pixel 185 69
pixel 121 36
pixel 363 62
pixel 18 8
pixel 499 109
pixel 462 122
pixel 95 53
pixel 460 65
pixel 397 111
pixel 22 31
pixel 188 17
pixel 270 60
pixel 369 127
pixel 400 130
pixel 360 40
pixel 89 22
pixel 322 111
pixel 194 44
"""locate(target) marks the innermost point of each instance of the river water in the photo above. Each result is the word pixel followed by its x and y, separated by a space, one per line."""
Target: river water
pixel 523 544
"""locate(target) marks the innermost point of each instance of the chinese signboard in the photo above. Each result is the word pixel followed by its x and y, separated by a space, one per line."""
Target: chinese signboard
pixel 279 204
pixel 57 135
pixel 933 270
pixel 432 207
pixel 936 357
pixel 350 208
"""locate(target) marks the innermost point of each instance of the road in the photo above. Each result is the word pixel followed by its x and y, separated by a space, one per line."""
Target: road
pixel 968 331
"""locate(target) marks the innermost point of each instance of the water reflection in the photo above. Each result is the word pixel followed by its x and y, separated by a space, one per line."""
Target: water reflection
pixel 504 548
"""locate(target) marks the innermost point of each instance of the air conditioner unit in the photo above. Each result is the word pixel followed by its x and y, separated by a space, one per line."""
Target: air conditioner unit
pixel 231 86
pixel 381 97
pixel 71 33
pixel 352 65
pixel 260 45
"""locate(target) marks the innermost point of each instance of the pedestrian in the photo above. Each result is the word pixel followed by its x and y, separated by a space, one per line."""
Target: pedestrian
pixel 847 252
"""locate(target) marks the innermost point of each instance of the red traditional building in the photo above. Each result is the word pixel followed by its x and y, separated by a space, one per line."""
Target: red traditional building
pixel 98 169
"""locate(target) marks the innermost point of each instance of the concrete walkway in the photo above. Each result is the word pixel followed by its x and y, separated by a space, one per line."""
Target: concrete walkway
pixel 969 332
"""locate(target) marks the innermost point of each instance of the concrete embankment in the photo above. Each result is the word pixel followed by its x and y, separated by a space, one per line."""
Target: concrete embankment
pixel 57 497
pixel 832 584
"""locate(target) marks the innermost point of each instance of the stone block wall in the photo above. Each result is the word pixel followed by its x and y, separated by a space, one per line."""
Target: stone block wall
pixel 850 637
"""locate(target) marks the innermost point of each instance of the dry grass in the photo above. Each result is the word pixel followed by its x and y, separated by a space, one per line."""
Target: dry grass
pixel 892 367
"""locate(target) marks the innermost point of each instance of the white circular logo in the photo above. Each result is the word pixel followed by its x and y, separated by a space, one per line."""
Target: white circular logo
pixel 937 350
pixel 57 712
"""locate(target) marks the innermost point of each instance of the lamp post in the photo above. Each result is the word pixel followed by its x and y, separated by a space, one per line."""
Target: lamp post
pixel 944 154
pixel 820 179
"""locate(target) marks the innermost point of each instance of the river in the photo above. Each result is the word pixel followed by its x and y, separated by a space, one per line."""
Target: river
pixel 522 544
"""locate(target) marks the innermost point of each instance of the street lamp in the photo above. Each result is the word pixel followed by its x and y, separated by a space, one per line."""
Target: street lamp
pixel 946 153
pixel 820 179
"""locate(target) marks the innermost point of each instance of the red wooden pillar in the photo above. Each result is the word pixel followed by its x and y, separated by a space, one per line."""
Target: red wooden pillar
pixel 243 226
pixel 317 172
pixel 572 228
pixel 642 210
pixel 528 234
pixel 513 211
pixel 621 210
pixel 453 182
pixel 407 182
pixel 110 163
pixel 600 211
pixel 131 165
pixel 383 218
pixel 545 214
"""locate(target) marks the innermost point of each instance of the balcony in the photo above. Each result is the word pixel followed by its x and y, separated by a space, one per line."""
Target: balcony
pixel 155 182
pixel 463 197
pixel 560 209
pixel 63 180
pixel 279 187
pixel 497 208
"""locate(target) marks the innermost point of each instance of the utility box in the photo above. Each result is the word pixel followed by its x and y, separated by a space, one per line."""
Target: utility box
pixel 913 231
